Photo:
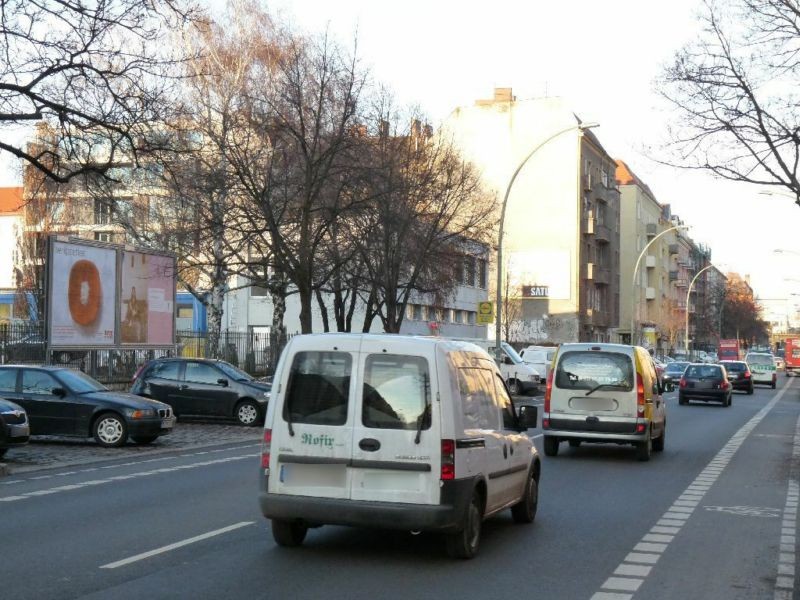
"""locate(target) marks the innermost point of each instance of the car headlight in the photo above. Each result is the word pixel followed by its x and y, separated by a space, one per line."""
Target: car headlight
pixel 11 411
pixel 140 413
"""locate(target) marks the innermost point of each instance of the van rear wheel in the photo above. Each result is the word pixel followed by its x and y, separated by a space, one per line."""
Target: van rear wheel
pixel 288 533
pixel 658 443
pixel 464 544
pixel 644 449
pixel 524 511
pixel 550 446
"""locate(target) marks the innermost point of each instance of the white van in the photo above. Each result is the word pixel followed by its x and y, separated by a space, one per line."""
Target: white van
pixel 394 432
pixel 604 393
pixel 520 377
pixel 540 358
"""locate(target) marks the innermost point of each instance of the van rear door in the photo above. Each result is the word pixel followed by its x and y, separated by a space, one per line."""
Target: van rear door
pixel 312 435
pixel 396 441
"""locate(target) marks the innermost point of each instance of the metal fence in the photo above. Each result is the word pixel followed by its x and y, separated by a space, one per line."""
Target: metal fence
pixel 255 353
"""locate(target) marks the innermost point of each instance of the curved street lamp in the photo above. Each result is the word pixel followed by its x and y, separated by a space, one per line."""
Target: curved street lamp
pixel 498 332
pixel 634 303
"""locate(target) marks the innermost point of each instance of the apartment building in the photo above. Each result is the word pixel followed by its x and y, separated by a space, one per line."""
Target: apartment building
pixel 561 244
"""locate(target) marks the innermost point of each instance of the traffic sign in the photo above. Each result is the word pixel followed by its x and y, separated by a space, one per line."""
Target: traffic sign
pixel 485 313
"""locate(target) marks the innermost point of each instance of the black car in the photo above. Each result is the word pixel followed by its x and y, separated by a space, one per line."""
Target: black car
pixel 61 401
pixel 203 387
pixel 14 428
pixel 739 375
pixel 672 374
pixel 705 382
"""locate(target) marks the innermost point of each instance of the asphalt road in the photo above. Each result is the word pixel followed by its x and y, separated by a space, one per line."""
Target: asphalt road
pixel 713 517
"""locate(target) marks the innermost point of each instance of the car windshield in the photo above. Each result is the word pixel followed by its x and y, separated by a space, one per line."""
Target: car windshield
pixel 512 353
pixel 585 370
pixel 233 372
pixel 676 367
pixel 703 371
pixel 79 383
pixel 759 359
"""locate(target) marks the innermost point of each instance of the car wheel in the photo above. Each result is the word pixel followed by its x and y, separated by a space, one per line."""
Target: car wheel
pixel 658 443
pixel 110 430
pixel 247 413
pixel 682 400
pixel 288 533
pixel 574 443
pixel 750 390
pixel 464 544
pixel 773 385
pixel 644 449
pixel 550 446
pixel 513 387
pixel 144 439
pixel 524 511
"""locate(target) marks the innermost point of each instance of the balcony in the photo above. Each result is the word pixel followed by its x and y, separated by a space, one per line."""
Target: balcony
pixel 598 274
pixel 681 283
pixel 673 248
pixel 652 229
pixel 650 261
pixel 602 233
pixel 595 317
pixel 673 276
pixel 650 293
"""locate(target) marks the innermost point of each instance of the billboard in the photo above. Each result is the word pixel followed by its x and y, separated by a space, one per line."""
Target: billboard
pixel 101 295
pixel 82 295
pixel 147 299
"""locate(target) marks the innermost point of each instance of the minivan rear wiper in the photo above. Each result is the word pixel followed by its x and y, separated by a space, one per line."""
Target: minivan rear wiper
pixel 602 385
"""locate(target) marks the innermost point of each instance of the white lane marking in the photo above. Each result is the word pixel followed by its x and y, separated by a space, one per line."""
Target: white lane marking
pixel 77 486
pixel 611 596
pixel 176 545
pixel 787 559
pixel 129 464
pixel 655 542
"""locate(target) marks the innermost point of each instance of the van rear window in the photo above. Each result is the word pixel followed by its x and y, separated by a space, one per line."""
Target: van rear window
pixel 319 388
pixel 397 392
pixel 585 370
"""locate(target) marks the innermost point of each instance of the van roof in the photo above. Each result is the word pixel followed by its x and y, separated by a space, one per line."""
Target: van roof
pixel 624 348
pixel 312 341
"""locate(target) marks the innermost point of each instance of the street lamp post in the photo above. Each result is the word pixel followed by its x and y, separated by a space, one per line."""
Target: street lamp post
pixel 498 333
pixel 688 292
pixel 634 303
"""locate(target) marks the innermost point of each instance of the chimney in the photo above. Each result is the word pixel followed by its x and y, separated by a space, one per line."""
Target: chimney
pixel 503 94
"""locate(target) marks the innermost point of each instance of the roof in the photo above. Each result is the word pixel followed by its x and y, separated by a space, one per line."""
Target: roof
pixel 626 176
pixel 11 200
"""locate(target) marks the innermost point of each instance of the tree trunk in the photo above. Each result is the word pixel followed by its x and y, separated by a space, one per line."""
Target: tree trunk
pixel 306 318
pixel 323 311
pixel 278 291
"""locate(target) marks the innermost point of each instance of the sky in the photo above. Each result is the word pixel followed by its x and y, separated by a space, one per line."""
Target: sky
pixel 603 57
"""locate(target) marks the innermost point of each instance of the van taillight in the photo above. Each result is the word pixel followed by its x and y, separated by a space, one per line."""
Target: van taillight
pixel 548 391
pixel 266 447
pixel 747 374
pixel 640 394
pixel 448 460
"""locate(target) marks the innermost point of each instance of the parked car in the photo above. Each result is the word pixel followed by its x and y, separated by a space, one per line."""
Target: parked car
pixel 31 348
pixel 705 382
pixel 426 438
pixel 739 375
pixel 203 387
pixel 14 427
pixel 540 358
pixel 763 368
pixel 672 374
pixel 607 393
pixel 61 401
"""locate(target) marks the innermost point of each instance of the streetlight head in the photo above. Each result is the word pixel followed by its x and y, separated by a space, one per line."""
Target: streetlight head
pixel 589 125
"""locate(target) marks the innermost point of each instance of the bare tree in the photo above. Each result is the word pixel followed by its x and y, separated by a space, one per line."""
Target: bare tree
pixel 733 90
pixel 97 73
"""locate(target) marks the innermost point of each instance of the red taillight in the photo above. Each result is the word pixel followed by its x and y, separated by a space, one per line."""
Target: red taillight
pixel 682 383
pixel 747 374
pixel 266 447
pixel 724 385
pixel 548 390
pixel 448 460
pixel 640 394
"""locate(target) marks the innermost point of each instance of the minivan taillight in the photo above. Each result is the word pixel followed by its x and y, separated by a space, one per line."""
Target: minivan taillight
pixel 683 382
pixel 747 374
pixel 639 394
pixel 266 447
pixel 448 460
pixel 548 391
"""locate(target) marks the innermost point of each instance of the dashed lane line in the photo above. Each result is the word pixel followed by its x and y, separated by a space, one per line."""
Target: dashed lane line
pixel 176 545
pixel 94 482
pixel 125 464
pixel 787 558
pixel 635 568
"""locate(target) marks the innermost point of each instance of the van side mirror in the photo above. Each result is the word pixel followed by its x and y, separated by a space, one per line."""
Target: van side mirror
pixel 528 417
pixel 507 360
pixel 223 382
pixel 59 391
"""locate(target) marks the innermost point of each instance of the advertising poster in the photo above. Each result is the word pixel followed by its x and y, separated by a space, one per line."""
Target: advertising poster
pixel 147 311
pixel 83 295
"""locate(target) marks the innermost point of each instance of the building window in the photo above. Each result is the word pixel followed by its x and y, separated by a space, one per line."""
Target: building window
pixel 469 271
pixel 184 311
pixel 5 312
pixel 482 274
pixel 102 236
pixel 102 212
pixel 410 312
pixel 417 312
pixel 471 317
pixel 257 290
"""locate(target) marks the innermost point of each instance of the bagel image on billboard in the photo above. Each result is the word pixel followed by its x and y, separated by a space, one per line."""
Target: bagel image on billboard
pixel 83 294
pixel 147 311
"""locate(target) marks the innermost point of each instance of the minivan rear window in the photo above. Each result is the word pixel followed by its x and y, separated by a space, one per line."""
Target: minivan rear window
pixel 585 370
pixel 759 359
pixel 319 388
pixel 397 392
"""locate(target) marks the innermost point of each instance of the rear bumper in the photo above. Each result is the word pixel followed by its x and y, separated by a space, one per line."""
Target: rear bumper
pixel 603 429
pixel 742 384
pixel 446 516
pixel 718 395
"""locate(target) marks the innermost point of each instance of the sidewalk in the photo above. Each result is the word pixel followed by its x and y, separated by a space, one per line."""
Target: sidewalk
pixel 48 452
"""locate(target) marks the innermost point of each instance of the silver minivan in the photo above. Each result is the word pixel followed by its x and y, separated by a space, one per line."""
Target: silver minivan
pixel 604 393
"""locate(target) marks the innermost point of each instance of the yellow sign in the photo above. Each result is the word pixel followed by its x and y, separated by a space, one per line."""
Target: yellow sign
pixel 485 313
